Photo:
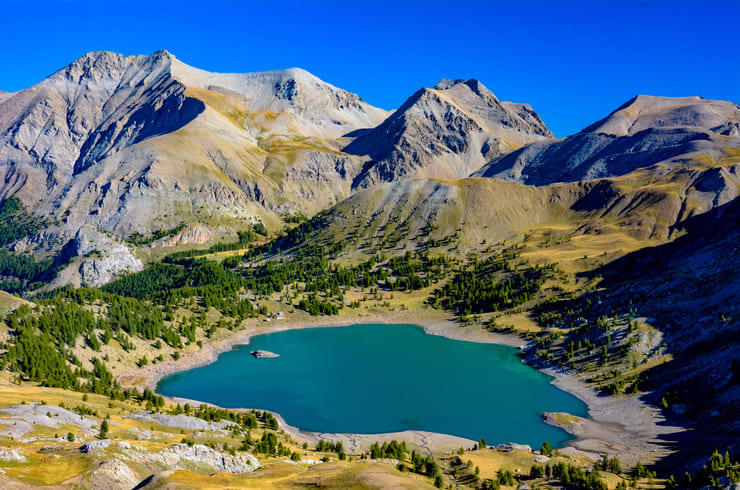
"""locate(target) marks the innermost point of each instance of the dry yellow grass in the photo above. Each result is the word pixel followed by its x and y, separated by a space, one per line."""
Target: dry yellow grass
pixel 69 467
pixel 490 461
pixel 338 474
pixel 17 395
pixel 575 253
pixel 565 418
pixel 522 322
pixel 48 469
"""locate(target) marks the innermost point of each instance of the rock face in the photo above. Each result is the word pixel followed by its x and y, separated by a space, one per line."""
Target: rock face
pixel 101 259
pixel 644 132
pixel 448 131
pixel 98 105
pixel 308 105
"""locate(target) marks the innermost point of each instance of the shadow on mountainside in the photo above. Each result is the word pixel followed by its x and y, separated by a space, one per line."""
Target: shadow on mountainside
pixel 690 290
pixel 165 110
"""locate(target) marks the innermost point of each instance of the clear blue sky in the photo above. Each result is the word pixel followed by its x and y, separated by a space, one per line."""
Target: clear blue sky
pixel 572 61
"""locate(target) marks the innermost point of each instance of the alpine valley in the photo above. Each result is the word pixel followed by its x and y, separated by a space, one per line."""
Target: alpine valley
pixel 153 215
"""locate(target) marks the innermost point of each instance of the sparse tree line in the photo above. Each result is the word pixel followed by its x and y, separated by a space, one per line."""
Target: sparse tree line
pixel 497 283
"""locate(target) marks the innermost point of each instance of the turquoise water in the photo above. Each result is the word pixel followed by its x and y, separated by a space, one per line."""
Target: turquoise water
pixel 384 378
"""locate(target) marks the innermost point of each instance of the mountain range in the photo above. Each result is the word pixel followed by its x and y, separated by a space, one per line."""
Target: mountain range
pixel 143 143
pixel 625 232
pixel 140 144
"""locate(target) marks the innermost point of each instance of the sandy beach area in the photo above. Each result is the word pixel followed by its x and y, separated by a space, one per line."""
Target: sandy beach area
pixel 620 426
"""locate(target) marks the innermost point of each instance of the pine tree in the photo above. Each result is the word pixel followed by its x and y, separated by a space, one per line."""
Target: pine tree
pixel 615 466
pixel 103 429
pixel 546 449
pixel 438 481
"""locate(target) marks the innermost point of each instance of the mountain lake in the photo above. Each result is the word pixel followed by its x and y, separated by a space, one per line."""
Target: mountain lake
pixel 370 379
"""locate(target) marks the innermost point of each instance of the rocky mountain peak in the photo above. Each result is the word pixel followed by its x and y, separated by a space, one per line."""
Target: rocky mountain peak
pixel 89 61
pixel 163 54
pixel 643 132
pixel 97 65
pixel 467 88
pixel 645 111
pixel 446 83
pixel 473 84
pixel 448 131
pixel 96 105
pixel 319 109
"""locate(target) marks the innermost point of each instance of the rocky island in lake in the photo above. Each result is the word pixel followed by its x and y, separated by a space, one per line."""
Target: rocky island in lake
pixel 263 354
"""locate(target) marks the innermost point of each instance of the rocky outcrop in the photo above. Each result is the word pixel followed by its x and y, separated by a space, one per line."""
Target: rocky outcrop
pixel 263 354
pixel 95 446
pixel 22 418
pixel 196 234
pixel 185 456
pixel 97 258
pixel 7 454
pixel 182 421
pixel 199 454
pixel 448 131
pixel 112 474
pixel 510 446
pixel 644 132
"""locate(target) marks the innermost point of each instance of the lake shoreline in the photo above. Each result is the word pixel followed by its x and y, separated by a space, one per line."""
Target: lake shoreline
pixel 617 425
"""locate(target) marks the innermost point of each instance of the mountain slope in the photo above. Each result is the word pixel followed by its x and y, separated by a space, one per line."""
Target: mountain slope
pixel 649 112
pixel 470 214
pixel 96 105
pixel 643 132
pixel 690 287
pixel 448 132
pixel 141 143
pixel 316 108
